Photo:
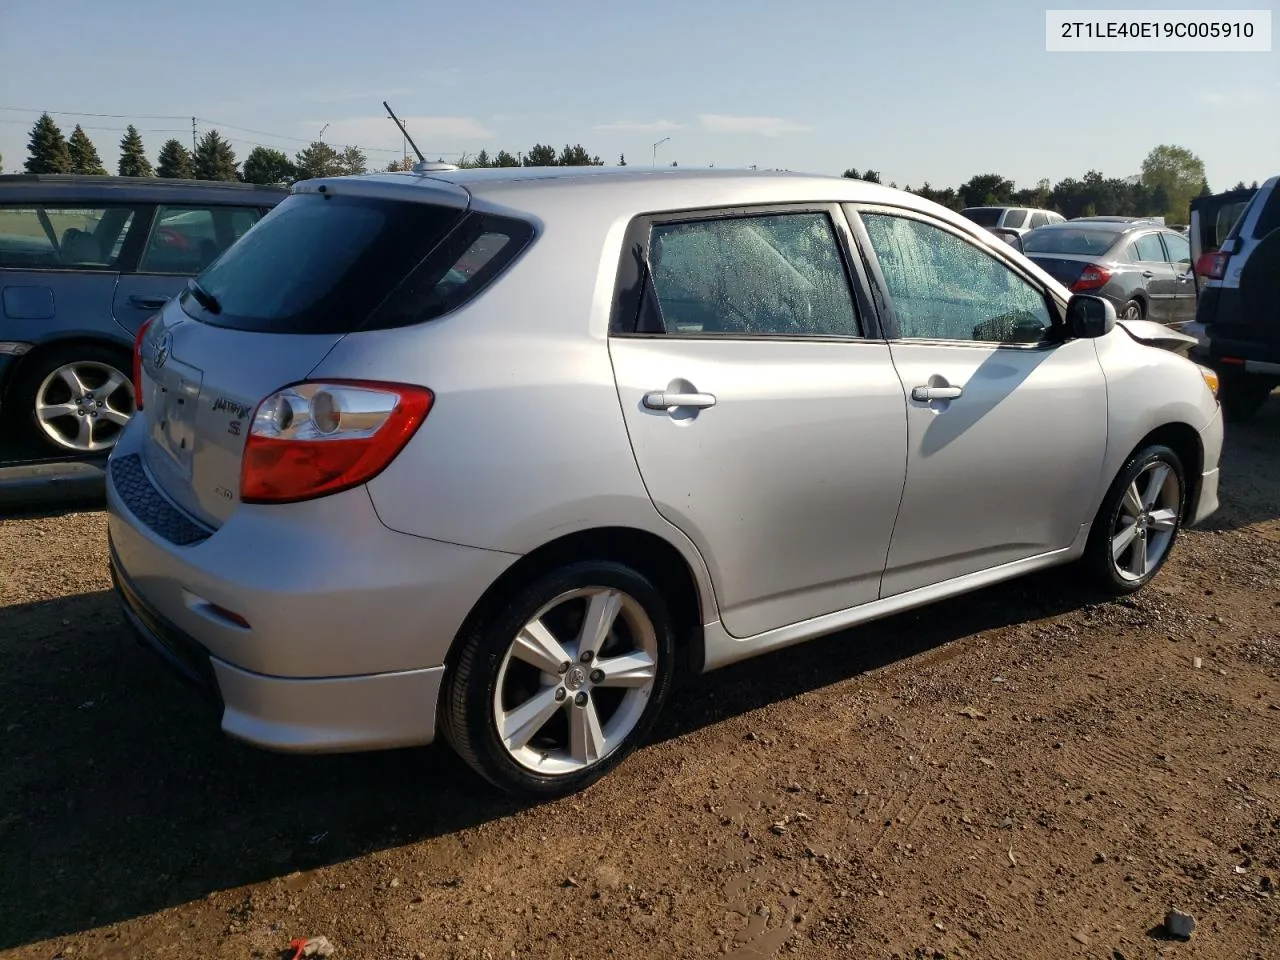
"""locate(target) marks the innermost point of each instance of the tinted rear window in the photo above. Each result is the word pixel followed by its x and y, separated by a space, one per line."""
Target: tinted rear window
pixel 1015 218
pixel 333 264
pixel 1074 241
pixel 983 216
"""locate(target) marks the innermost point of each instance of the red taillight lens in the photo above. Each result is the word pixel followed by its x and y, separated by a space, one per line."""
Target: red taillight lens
pixel 1092 279
pixel 313 439
pixel 1218 266
pixel 1204 264
pixel 137 361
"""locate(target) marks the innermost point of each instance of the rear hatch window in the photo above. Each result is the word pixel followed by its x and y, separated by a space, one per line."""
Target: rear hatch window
pixel 983 216
pixel 1074 241
pixel 330 264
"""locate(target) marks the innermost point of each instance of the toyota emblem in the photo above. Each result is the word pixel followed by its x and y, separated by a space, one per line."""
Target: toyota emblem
pixel 161 353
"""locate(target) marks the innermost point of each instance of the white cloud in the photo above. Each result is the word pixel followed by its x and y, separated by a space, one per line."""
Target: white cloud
pixel 633 126
pixel 760 126
pixel 432 134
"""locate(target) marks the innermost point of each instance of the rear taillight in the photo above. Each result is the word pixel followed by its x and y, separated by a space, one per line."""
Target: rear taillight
pixel 137 361
pixel 1218 266
pixel 1204 264
pixel 313 439
pixel 1092 279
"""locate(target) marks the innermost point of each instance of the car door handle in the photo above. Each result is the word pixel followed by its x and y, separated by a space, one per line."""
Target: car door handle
pixel 1148 274
pixel 661 400
pixel 148 303
pixel 925 394
pixel 1184 277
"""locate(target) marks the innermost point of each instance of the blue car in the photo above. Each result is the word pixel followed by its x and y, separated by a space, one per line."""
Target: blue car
pixel 84 261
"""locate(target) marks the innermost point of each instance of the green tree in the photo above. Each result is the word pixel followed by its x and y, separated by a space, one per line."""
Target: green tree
pixel 1180 172
pixel 133 155
pixel 174 162
pixel 352 162
pixel 84 155
pixel 542 155
pixel 47 149
pixel 483 159
pixel 946 196
pixel 577 156
pixel 504 159
pixel 622 159
pixel 986 189
pixel 870 176
pixel 403 165
pixel 214 159
pixel 318 160
pixel 267 165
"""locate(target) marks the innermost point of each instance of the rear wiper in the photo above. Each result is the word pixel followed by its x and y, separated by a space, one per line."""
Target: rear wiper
pixel 204 297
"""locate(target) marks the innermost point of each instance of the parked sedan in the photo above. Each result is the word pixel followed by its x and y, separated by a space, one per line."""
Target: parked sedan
pixel 493 453
pixel 83 262
pixel 1143 269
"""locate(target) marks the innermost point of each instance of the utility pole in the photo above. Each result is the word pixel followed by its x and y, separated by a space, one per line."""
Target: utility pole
pixel 193 135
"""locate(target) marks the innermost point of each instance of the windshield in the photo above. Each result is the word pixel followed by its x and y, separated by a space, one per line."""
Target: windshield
pixel 983 216
pixel 1077 241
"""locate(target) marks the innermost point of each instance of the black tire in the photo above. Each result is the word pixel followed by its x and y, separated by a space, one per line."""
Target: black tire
pixel 20 402
pixel 1097 563
pixel 1242 394
pixel 1134 304
pixel 467 705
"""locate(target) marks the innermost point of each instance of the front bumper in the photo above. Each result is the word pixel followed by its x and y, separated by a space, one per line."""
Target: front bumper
pixel 1207 493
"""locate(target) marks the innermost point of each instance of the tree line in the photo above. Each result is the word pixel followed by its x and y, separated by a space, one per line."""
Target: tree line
pixel 1171 177
pixel 214 159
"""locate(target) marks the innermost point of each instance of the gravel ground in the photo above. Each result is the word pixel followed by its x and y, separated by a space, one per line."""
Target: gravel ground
pixel 1025 772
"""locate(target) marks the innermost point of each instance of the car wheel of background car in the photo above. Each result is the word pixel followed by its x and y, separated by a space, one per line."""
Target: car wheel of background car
pixel 1132 311
pixel 556 686
pixel 75 399
pixel 1242 394
pixel 1138 522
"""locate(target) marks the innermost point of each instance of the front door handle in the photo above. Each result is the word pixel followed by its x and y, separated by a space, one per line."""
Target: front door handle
pixel 662 400
pixel 925 394
pixel 148 303
pixel 1148 274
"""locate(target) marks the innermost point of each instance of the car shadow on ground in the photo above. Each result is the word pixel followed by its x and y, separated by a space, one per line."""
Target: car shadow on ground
pixel 1250 458
pixel 120 797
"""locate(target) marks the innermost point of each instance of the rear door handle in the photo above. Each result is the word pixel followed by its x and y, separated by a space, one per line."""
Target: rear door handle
pixel 661 400
pixel 148 303
pixel 1148 274
pixel 925 394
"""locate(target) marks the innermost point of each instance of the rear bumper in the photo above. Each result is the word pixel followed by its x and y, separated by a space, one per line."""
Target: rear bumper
pixel 334 714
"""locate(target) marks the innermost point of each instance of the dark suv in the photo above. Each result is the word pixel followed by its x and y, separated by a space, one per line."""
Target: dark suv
pixel 83 262
pixel 1238 315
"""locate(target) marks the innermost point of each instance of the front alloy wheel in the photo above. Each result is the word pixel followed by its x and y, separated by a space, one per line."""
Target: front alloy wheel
pixel 553 692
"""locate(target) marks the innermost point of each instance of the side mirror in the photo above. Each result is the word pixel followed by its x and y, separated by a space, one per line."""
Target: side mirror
pixel 1090 317
pixel 1011 237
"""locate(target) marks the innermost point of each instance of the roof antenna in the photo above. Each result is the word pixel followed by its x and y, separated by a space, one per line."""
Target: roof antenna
pixel 391 113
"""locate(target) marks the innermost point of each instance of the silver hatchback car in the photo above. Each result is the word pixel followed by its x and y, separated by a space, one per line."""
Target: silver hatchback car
pixel 495 452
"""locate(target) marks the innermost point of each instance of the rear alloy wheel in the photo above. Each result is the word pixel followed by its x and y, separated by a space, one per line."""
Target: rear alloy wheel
pixel 564 682
pixel 1132 311
pixel 78 400
pixel 1138 522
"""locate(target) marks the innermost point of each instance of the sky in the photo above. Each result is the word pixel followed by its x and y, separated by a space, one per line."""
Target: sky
pixel 920 90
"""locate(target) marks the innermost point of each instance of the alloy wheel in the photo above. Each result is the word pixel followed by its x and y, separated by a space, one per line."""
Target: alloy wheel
pixel 83 405
pixel 575 681
pixel 1146 522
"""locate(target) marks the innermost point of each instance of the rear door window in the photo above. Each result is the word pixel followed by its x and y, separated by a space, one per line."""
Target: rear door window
pixel 1039 219
pixel 63 236
pixel 766 275
pixel 1016 218
pixel 186 239
pixel 1178 248
pixel 1148 249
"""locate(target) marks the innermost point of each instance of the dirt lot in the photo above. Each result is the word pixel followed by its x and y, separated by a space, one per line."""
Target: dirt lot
pixel 1025 772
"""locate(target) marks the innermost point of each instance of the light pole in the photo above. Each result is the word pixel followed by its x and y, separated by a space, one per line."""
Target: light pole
pixel 322 130
pixel 655 149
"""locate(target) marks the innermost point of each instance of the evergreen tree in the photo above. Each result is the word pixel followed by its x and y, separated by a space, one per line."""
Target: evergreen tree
pixel 504 159
pixel 352 162
pixel 84 155
pixel 318 160
pixel 542 155
pixel 174 161
pixel 622 159
pixel 47 149
pixel 214 159
pixel 133 156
